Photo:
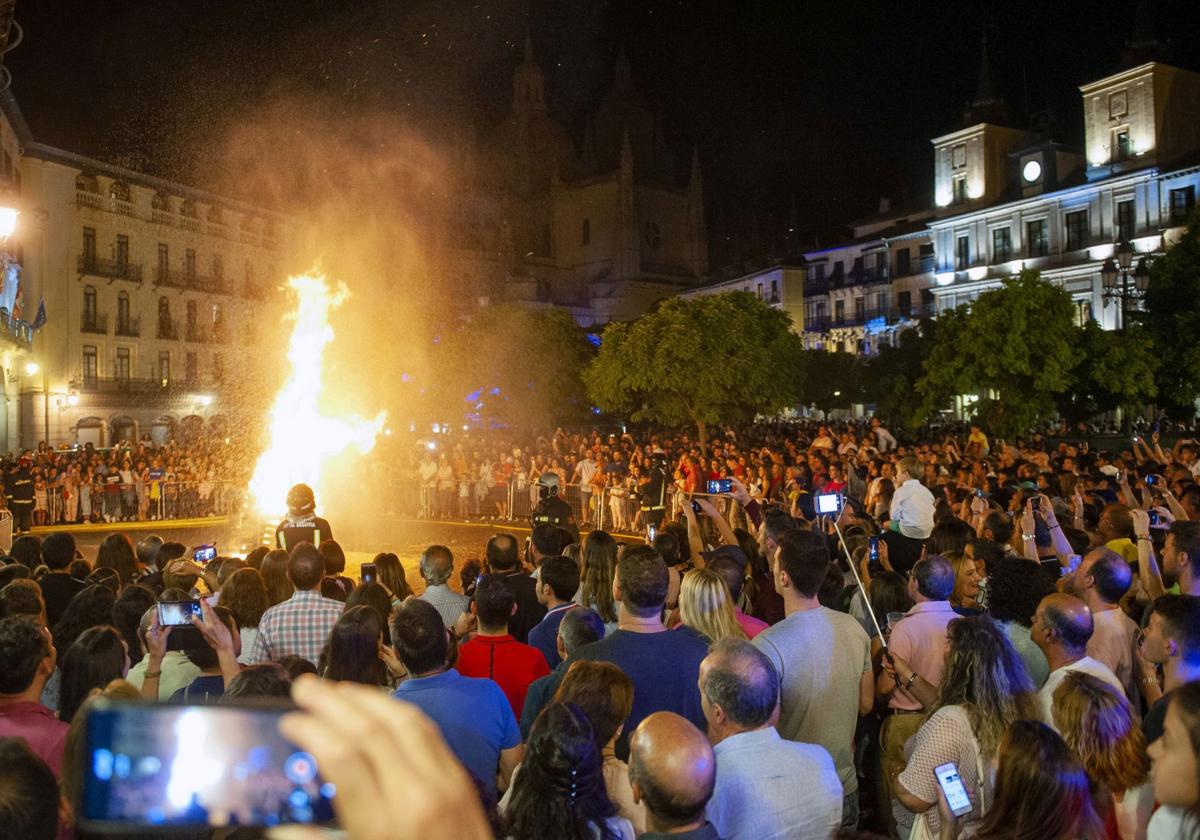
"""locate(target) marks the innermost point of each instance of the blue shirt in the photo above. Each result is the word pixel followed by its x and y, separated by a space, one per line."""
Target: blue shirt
pixel 475 717
pixel 664 668
pixel 771 789
pixel 544 636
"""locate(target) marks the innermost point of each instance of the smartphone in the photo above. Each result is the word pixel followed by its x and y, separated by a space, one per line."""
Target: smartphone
pixel 873 551
pixel 696 508
pixel 205 554
pixel 952 786
pixel 651 533
pixel 157 766
pixel 979 494
pixel 1153 514
pixel 829 503
pixel 1073 561
pixel 720 485
pixel 368 573
pixel 178 613
pixel 1150 480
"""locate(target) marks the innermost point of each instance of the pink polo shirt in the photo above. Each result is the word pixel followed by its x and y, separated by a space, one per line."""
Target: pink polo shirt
pixel 751 625
pixel 920 640
pixel 45 734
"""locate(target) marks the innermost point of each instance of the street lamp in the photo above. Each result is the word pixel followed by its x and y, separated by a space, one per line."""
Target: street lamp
pixel 1116 276
pixel 31 368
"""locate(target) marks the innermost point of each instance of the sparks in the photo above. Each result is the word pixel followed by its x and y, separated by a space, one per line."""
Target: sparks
pixel 301 437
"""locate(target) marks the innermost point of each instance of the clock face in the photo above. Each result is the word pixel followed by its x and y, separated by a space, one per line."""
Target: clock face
pixel 1031 171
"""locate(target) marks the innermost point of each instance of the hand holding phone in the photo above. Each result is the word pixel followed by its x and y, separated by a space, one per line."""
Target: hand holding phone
pixel 205 554
pixel 952 787
pixel 178 613
pixel 369 573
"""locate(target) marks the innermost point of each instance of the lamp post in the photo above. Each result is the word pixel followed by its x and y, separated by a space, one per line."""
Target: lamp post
pixel 1124 285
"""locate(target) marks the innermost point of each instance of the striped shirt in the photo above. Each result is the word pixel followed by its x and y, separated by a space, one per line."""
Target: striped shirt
pixel 298 627
pixel 449 604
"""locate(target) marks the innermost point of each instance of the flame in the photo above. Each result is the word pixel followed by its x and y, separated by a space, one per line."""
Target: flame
pixel 302 438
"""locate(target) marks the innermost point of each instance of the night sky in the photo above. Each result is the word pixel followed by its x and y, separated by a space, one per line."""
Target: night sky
pixel 832 102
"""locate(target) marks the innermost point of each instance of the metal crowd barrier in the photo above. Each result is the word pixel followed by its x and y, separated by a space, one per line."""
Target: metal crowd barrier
pixel 154 500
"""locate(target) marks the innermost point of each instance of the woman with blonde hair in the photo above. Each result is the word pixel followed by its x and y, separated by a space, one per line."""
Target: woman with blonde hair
pixel 706 606
pixel 1098 723
pixel 597 570
pixel 967 574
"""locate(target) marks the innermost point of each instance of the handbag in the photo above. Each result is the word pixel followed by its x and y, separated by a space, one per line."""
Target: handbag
pixel 921 829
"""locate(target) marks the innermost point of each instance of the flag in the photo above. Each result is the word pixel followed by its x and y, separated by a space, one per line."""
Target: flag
pixel 39 320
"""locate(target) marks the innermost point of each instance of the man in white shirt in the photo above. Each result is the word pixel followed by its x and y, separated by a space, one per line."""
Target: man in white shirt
pixel 1061 628
pixel 1102 579
pixel 767 788
pixel 883 438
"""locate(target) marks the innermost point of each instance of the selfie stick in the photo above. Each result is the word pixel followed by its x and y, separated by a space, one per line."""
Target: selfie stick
pixel 858 580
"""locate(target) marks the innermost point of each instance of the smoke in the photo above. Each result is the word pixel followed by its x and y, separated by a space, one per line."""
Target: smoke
pixel 369 201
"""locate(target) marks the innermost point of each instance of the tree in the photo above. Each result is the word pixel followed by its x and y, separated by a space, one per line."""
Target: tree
pixel 707 360
pixel 890 379
pixel 1014 348
pixel 1172 319
pixel 831 380
pixel 1113 369
pixel 514 366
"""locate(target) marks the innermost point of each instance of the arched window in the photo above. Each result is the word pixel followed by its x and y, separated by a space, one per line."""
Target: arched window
pixel 187 208
pixel 86 183
pixel 585 235
pixel 119 191
pixel 161 201
pixel 123 325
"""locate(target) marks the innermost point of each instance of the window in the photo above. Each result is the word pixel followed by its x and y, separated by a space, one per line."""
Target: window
pixel 585 232
pixel 774 291
pixel 122 251
pixel 123 325
pixel 1076 225
pixel 190 321
pixel 122 371
pixel 820 272
pixel 89 307
pixel 91 371
pixel 962 252
pixel 190 368
pixel 1083 312
pixel 839 311
pixel 218 268
pixel 164 368
pixel 837 272
pixel 89 245
pixel 881 263
pixel 860 309
pixel 881 304
pixel 903 262
pixel 905 304
pixel 189 263
pixel 1124 227
pixel 1122 148
pixel 1001 245
pixel 760 293
pixel 960 188
pixel 1037 242
pixel 218 368
pixel 856 273
pixel 164 260
pixel 1182 202
pixel 218 320
pixel 165 328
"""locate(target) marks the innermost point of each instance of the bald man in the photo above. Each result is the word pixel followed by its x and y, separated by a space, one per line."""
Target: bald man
pixel 672 770
pixel 1101 581
pixel 300 625
pixel 1062 627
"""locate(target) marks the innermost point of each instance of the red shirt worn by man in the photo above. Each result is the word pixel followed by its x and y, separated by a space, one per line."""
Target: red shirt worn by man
pixel 45 734
pixel 512 665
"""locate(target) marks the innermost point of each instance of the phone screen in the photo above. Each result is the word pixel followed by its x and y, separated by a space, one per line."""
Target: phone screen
pixel 829 503
pixel 178 613
pixel 874 550
pixel 720 485
pixel 204 554
pixel 368 573
pixel 161 765
pixel 651 533
pixel 952 786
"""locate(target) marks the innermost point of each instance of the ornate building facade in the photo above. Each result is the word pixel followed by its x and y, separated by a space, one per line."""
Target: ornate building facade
pixel 603 231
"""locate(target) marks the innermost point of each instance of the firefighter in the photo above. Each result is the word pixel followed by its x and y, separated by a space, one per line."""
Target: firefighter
pixel 301 523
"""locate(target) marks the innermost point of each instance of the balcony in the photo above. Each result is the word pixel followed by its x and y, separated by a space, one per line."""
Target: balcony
pixel 168 329
pixel 868 277
pixel 96 201
pixel 92 266
pixel 124 385
pixel 163 217
pixel 190 280
pixel 83 198
pixel 91 322
pixel 189 223
pixel 816 324
pixel 128 328
pixel 14 329
pixel 196 334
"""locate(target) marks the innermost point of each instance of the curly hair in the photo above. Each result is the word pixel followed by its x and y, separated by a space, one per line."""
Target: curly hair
pixel 1098 723
pixel 245 594
pixel 559 791
pixel 598 568
pixel 986 677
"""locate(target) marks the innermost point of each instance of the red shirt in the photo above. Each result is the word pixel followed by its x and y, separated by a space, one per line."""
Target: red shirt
pixel 45 734
pixel 512 665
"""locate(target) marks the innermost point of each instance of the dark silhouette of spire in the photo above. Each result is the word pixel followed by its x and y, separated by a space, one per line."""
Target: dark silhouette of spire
pixel 988 106
pixel 1143 45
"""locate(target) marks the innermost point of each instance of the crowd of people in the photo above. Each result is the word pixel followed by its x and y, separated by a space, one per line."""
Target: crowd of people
pixel 820 652
pixel 127 483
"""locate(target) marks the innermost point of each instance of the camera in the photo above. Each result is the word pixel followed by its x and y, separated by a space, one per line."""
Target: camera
pixel 829 503
pixel 720 485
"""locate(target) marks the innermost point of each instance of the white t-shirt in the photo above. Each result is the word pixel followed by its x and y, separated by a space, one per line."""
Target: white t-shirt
pixel 1088 666
pixel 912 509
pixel 1168 824
pixel 1132 811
